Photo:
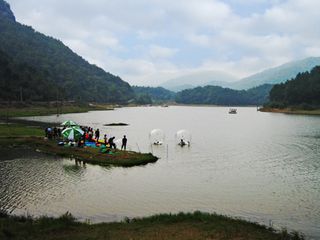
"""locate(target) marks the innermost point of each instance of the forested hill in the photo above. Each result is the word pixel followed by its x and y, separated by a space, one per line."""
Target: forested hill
pixel 16 79
pixel 48 60
pixel 224 96
pixel 303 91
pixel 145 95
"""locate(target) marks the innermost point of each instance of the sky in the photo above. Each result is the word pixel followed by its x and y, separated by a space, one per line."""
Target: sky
pixel 147 42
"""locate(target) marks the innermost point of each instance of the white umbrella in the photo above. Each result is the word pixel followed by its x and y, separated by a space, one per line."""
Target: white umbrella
pixel 72 133
pixel 69 123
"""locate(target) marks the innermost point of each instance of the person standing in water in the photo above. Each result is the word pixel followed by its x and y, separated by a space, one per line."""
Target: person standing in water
pixel 124 143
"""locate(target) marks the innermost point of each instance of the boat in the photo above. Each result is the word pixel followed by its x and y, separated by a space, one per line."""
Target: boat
pixel 232 111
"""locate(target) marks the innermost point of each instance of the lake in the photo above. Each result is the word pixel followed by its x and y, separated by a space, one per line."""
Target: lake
pixel 263 167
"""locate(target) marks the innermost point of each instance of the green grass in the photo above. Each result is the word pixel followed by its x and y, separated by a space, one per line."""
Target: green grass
pixel 184 226
pixel 47 110
pixel 19 130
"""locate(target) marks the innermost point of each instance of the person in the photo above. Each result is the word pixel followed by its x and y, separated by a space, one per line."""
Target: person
pixel 84 138
pixel 59 133
pixel 182 143
pixel 79 143
pixel 105 139
pixel 97 134
pixel 124 142
pixel 46 132
pixel 55 133
pixel 111 143
pixel 90 133
pixel 49 132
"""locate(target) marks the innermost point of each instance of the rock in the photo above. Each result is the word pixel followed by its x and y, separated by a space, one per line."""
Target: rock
pixel 116 124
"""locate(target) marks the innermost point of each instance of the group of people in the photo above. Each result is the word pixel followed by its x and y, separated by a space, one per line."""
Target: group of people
pixel 90 132
pixel 89 135
pixel 52 133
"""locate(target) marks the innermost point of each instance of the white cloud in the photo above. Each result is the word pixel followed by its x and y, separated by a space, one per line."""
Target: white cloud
pixel 147 42
pixel 159 52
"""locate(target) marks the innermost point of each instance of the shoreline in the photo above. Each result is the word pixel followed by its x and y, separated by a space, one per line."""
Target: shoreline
pixel 31 135
pixel 88 155
pixel 291 111
pixel 196 225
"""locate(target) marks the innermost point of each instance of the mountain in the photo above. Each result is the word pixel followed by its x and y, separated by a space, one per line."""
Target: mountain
pixel 68 74
pixel 153 94
pixel 303 91
pixel 217 78
pixel 5 11
pixel 224 96
pixel 277 74
pixel 17 77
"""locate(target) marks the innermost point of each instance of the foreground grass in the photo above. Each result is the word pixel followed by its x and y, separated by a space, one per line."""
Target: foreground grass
pixel 17 135
pixel 182 226
pixel 291 111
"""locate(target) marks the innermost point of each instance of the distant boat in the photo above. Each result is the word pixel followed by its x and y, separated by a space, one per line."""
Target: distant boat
pixel 232 111
pixel 165 105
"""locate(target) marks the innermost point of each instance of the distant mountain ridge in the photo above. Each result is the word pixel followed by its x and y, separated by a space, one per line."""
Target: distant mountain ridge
pixel 274 75
pixel 198 79
pixel 278 74
pixel 72 76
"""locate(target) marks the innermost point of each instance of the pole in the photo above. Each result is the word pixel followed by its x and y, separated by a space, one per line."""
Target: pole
pixel 57 104
pixel 138 148
pixel 167 151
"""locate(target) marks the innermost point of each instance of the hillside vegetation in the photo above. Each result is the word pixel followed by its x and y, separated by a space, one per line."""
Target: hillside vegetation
pixel 303 91
pixel 224 96
pixel 146 95
pixel 41 68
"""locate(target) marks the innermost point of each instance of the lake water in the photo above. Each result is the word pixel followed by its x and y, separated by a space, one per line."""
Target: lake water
pixel 263 167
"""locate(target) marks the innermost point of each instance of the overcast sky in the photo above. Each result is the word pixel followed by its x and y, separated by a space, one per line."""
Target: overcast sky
pixel 146 42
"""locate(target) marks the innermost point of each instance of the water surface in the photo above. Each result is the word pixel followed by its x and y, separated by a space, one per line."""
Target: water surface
pixel 263 167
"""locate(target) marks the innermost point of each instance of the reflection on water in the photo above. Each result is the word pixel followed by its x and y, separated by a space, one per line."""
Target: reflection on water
pixel 258 166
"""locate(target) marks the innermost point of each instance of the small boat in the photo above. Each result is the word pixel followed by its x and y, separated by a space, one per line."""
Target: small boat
pixel 232 111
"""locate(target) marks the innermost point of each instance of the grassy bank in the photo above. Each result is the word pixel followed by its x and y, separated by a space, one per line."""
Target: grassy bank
pixel 17 135
pixel 27 110
pixel 182 226
pixel 291 111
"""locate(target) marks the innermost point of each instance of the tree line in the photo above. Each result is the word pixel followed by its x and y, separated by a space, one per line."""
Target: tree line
pixel 224 96
pixel 303 91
